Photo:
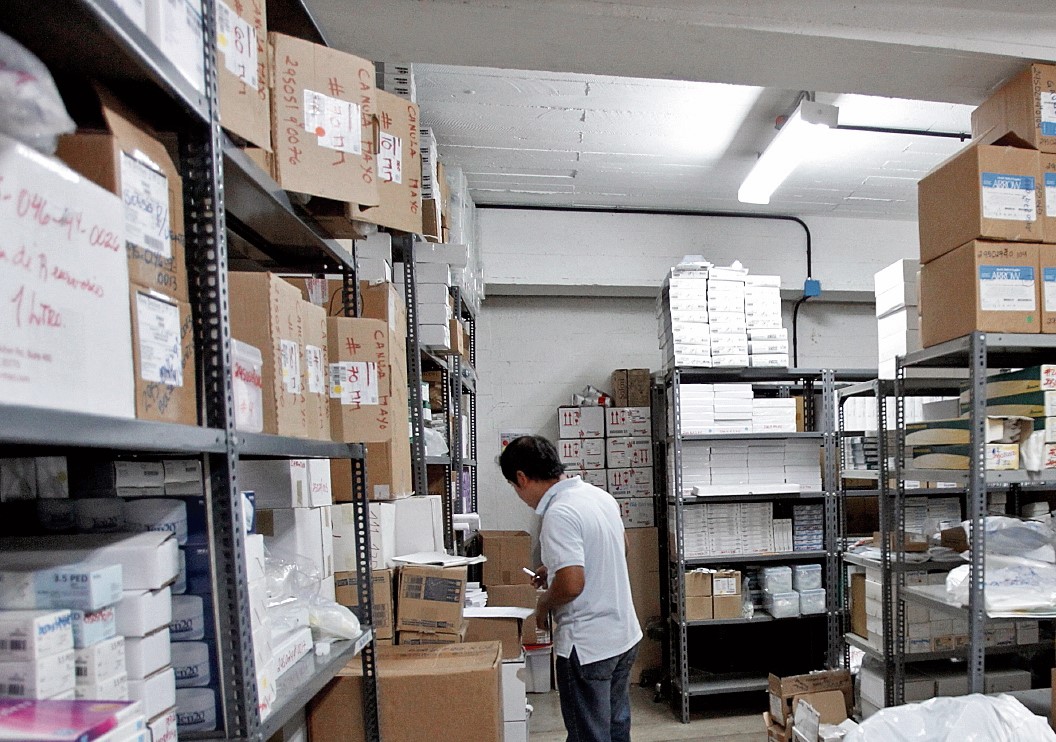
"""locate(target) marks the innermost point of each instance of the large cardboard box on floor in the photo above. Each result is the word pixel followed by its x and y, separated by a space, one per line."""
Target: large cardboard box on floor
pixel 988 286
pixel 983 192
pixel 163 358
pixel 459 687
pixel 243 70
pixel 316 365
pixel 643 569
pixel 123 156
pixel 265 312
pixel 324 111
pixel 1021 112
pixel 508 553
pixel 430 599
pixel 399 166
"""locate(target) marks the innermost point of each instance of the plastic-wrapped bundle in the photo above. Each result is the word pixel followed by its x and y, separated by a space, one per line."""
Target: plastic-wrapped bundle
pixel 973 718
pixel 1013 586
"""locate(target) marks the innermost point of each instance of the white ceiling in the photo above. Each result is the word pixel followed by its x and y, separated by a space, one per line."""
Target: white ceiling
pixel 566 133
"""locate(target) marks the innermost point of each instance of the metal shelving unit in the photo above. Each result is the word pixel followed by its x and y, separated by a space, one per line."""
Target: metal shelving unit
pixel 816 386
pixel 226 200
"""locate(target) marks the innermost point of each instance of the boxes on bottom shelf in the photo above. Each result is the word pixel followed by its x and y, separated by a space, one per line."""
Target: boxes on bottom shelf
pixel 431 598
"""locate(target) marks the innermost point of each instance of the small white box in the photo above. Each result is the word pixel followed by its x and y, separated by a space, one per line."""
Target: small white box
pixel 514 690
pixel 581 422
pixel 293 531
pixel 142 612
pixel 42 677
pixel 1027 632
pixel 586 453
pixel 256 562
pixel 91 627
pixel 435 336
pixel 139 474
pixel 432 273
pixel 515 731
pixel 53 478
pixel 196 709
pixel 145 655
pixel 27 635
pixel 418 521
pixel 192 662
pixel 628 421
pixel 157 693
pixel 78 585
pixel 113 688
pixel 277 484
pixel 319 494
pixel 163 727
pixel 637 512
pixel 755 333
pixel 629 453
pixel 762 347
pixel 102 660
pixel 326 541
pixel 769 360
pixel 182 470
pixel 189 618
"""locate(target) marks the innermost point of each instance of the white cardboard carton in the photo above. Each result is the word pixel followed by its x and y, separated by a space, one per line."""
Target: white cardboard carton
pixel 581 422
pixel 42 677
pixel 145 655
pixel 628 421
pixel 27 635
pixel 278 484
pixel 142 612
pixel 99 661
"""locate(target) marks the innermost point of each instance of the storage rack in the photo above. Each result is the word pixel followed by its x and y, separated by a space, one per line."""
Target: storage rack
pixel 976 352
pixel 673 558
pixel 229 205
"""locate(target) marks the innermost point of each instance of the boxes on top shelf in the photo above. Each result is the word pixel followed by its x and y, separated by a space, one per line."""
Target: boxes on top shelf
pixel 895 287
pixel 399 166
pixel 1021 112
pixel 244 71
pixel 175 26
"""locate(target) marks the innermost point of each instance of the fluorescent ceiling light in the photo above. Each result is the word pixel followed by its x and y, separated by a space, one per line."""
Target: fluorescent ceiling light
pixel 799 139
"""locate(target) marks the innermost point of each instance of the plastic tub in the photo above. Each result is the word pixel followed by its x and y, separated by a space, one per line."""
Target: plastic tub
pixel 806 577
pixel 247 386
pixel 812 602
pixel 782 605
pixel 777 579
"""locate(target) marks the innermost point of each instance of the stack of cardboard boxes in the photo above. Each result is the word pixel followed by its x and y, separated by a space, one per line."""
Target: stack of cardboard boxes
pixel 826 697
pixel 713 595
pixel 987 220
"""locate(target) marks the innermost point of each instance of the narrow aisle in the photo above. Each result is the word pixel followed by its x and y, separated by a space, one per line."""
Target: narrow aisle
pixel 654 722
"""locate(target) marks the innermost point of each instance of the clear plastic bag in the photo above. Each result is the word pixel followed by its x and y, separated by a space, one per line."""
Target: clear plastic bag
pixel 1018 538
pixel 294 600
pixel 33 111
pixel 973 718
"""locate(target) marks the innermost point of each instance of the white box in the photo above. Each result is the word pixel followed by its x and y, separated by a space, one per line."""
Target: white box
pixel 515 731
pixel 76 585
pixel 896 286
pixel 113 688
pixel 42 677
pixel 587 453
pixel 761 347
pixel 196 709
pixel 290 648
pixel 175 26
pixel 27 635
pixel 514 698
pixel 326 541
pixel 145 655
pixel 256 562
pixel 89 331
pixel 141 612
pixel 90 627
pixel 628 421
pixel 774 360
pixel 597 477
pixel 433 293
pixel 277 484
pixel 581 422
pixel 435 336
pixel 156 693
pixel 435 314
pixel 629 453
pixel 182 470
pixel 293 531
pixel 1027 632
pixel 637 512
pixel 630 482
pixel 319 494
pixel 417 523
pixel 432 273
pixel 758 333
pixel 102 660
pixel 162 728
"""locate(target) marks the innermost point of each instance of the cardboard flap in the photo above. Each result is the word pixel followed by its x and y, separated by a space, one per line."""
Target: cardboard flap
pixel 129 132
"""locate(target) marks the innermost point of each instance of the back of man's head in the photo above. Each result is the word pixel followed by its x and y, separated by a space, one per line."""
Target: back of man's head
pixel 533 455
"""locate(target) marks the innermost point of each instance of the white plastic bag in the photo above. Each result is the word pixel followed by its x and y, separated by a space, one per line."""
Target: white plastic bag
pixel 33 111
pixel 974 718
pixel 294 600
pixel 1013 585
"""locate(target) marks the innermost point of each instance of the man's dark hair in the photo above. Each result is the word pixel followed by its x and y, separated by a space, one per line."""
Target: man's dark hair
pixel 533 455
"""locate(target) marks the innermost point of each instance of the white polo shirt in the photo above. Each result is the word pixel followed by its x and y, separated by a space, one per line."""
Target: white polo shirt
pixel 582 527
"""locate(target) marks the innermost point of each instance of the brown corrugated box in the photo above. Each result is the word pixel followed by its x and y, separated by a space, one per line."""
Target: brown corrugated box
pixel 245 109
pixel 520 596
pixel 366 341
pixel 1047 194
pixel 698 584
pixel 508 552
pixel 859 619
pixel 389 475
pixel 1021 112
pixel 340 181
pixel 643 570
pixel 345 584
pixel 727 606
pixel 458 688
pixel 506 631
pixel 784 690
pixel 265 312
pixel 953 304
pixel 430 599
pixel 699 608
pixel 157 356
pixel 1047 287
pixel 955 207
pixel 316 355
pixel 618 382
pixel 401 202
pixel 98 156
pixel 638 381
pixel 419 638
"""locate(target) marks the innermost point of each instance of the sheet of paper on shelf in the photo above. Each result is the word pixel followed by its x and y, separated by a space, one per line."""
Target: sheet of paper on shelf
pixel 438 558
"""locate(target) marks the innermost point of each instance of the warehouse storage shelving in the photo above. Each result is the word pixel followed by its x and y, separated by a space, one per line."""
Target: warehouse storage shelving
pixel 235 216
pixel 816 387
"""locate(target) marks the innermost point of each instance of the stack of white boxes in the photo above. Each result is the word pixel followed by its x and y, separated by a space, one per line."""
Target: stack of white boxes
pixel 397 528
pixel 581 443
pixel 773 415
pixel 803 464
pixel 722 529
pixel 397 78
pixel 808 527
pixel 713 317
pixel 728 409
pixel 373 258
pixel 897 313
pixel 750 466
pixel 793 591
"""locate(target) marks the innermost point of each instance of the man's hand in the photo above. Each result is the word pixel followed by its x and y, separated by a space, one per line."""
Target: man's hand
pixel 568 584
pixel 539 579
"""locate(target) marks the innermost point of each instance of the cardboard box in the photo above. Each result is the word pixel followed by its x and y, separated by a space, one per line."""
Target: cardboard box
pixel 1022 112
pixel 368 394
pixel 629 453
pixel 586 453
pixel 430 599
pixel 389 475
pixel 163 358
pixel 102 660
pixel 1047 193
pixel 277 483
pixel 1047 278
pixel 399 166
pixel 39 678
pixel 324 118
pixel 783 690
pixel 383 606
pixel 141 612
pixel 28 635
pixel 858 615
pixel 145 655
pixel 294 531
pixel 521 596
pixel 727 606
pixel 316 365
pixel 639 381
pixel 830 705
pixel 265 312
pixel 628 421
pixel 175 27
pixel 38 363
pixel 643 571
pixel 244 70
pixel 507 631
pixel 629 482
pixel 508 552
pixel 125 157
pixel 983 192
pixel 618 384
pixel 698 584
pixel 420 638
pixel 466 676
pixel 386 302
pixel 699 608
pixel 988 286
pixel 637 512
pixel 581 422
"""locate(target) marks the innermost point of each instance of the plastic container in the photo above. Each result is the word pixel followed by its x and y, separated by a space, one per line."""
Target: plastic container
pixel 777 579
pixel 812 602
pixel 537 660
pixel 190 660
pixel 247 386
pixel 806 577
pixel 195 709
pixel 783 604
pixel 188 618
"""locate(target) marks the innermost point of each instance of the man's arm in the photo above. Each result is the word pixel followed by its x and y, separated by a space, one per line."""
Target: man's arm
pixel 567 584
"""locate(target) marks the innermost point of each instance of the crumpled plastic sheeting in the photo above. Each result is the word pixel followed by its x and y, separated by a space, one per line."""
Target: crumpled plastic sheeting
pixel 1012 584
pixel 1015 537
pixel 974 718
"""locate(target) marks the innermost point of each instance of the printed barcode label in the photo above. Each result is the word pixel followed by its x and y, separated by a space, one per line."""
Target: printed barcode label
pixel 82 671
pixel 13 645
pixel 15 689
pixel 153 243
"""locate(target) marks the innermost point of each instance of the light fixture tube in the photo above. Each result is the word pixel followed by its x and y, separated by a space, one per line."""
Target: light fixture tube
pixel 798 140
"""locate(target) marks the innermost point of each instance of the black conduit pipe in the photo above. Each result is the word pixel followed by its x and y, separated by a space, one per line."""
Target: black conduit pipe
pixel 688 212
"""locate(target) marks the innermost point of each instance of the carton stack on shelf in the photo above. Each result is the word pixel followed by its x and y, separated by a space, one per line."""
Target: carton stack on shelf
pixel 713 595
pixel 398 79
pixel 897 314
pixel 985 224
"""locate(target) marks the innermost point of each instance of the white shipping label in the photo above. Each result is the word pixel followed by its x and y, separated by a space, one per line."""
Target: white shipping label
pixel 337 123
pixel 313 358
pixel 291 366
pixel 145 192
pixel 1006 288
pixel 236 40
pixel 390 158
pixel 160 358
pixel 1009 197
pixel 1050 194
pixel 354 383
pixel 1048 276
pixel 1047 104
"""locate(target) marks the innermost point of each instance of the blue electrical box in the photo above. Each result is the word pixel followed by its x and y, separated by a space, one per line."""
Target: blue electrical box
pixel 811 287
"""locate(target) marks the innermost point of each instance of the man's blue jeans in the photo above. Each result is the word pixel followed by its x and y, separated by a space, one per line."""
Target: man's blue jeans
pixel 595 703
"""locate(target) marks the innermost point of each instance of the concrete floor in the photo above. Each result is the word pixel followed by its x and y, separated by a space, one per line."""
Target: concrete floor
pixel 720 719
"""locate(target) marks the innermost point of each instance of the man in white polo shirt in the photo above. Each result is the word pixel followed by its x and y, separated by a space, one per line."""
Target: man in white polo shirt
pixel 584 571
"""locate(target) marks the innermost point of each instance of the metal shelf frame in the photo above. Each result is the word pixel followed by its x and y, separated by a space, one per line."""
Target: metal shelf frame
pixel 817 387
pixel 94 39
